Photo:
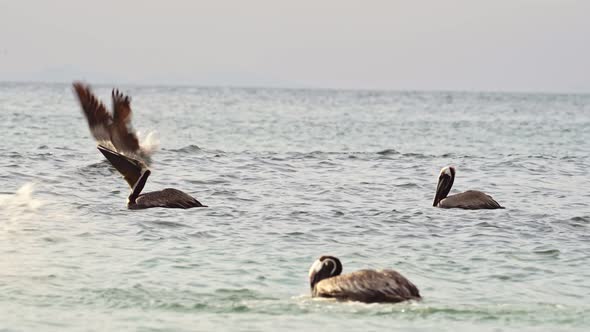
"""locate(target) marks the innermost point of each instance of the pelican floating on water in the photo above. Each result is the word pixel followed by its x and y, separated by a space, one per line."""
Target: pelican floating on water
pixel 113 131
pixel 364 286
pixel 136 174
pixel 471 199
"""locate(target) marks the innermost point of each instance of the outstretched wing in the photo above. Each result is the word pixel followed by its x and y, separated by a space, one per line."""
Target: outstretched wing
pixel 123 136
pixel 131 169
pixel 99 119
pixel 471 200
pixel 368 286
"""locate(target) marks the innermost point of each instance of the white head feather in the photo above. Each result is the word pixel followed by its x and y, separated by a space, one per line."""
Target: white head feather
pixel 446 170
pixel 316 267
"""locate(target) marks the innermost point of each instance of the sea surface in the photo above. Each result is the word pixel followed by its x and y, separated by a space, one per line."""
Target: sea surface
pixel 290 175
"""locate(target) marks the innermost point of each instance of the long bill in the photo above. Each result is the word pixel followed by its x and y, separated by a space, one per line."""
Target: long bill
pixel 443 188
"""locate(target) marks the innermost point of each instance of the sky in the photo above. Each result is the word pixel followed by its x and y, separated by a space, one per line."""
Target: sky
pixel 473 45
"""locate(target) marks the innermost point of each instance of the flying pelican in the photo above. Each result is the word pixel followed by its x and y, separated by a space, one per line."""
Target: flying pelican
pixel 471 199
pixel 136 174
pixel 113 131
pixel 364 285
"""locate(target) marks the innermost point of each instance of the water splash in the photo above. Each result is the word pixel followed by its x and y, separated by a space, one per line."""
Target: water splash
pixel 150 143
pixel 19 206
pixel 22 199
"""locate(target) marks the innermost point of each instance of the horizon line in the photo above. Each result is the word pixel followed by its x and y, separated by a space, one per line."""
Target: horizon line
pixel 101 83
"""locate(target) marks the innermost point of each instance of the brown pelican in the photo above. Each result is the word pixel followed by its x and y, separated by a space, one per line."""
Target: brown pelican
pixel 471 199
pixel 364 286
pixel 111 131
pixel 136 174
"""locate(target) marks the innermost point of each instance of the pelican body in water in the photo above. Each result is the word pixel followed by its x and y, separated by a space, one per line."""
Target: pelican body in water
pixel 136 174
pixel 367 286
pixel 471 199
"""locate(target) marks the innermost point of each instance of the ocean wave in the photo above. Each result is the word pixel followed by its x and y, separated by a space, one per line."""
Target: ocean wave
pixel 388 152
pixel 191 148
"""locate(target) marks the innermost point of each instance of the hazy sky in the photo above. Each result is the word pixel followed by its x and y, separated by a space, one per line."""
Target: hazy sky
pixel 497 45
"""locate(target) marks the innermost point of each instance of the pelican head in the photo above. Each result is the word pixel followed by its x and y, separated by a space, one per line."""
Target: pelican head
pixel 324 267
pixel 445 182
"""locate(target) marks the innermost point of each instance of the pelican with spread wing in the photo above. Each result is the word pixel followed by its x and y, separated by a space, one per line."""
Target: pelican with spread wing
pixel 118 142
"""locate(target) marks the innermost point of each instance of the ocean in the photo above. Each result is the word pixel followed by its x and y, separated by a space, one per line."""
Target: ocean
pixel 290 175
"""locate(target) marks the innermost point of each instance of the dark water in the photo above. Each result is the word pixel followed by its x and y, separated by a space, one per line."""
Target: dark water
pixel 289 176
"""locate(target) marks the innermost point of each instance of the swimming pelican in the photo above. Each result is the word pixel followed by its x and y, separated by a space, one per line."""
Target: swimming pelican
pixel 367 286
pixel 136 174
pixel 471 199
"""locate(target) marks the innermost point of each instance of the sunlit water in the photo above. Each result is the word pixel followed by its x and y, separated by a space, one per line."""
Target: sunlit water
pixel 289 176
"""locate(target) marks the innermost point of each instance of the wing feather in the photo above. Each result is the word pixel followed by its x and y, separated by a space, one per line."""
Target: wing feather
pixel 122 134
pixel 99 119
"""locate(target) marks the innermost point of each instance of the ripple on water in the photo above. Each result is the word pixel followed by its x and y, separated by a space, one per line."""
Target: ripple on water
pixel 282 191
pixel 188 149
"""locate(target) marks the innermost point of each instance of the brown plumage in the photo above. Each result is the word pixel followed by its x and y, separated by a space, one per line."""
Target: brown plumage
pixel 363 286
pixel 136 173
pixel 113 131
pixel 167 198
pixel 471 199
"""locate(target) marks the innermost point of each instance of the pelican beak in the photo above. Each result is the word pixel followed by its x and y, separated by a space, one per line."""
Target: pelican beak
pixel 442 188
pixel 312 281
pixel 313 273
